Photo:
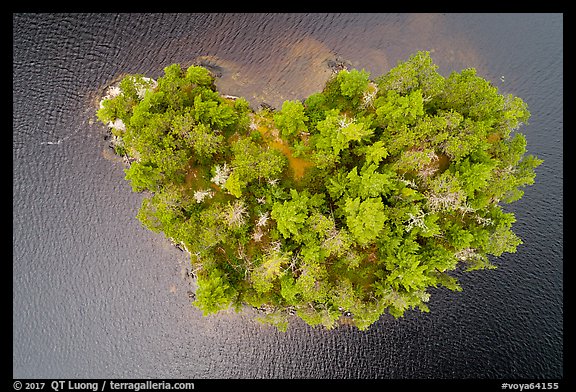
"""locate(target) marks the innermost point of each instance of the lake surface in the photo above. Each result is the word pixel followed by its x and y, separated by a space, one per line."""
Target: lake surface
pixel 95 295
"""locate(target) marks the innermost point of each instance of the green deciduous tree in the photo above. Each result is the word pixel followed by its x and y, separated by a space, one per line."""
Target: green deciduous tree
pixel 291 119
pixel 365 218
pixel 291 214
pixel 417 73
pixel 214 292
pixel 353 83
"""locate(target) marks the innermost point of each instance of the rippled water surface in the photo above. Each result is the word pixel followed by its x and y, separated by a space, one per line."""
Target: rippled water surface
pixel 95 295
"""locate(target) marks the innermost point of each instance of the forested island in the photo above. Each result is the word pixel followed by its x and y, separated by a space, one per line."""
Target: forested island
pixel 337 208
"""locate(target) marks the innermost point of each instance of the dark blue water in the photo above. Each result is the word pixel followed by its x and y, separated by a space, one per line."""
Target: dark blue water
pixel 95 295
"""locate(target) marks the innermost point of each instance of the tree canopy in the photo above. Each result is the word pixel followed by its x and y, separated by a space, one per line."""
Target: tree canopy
pixel 401 179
